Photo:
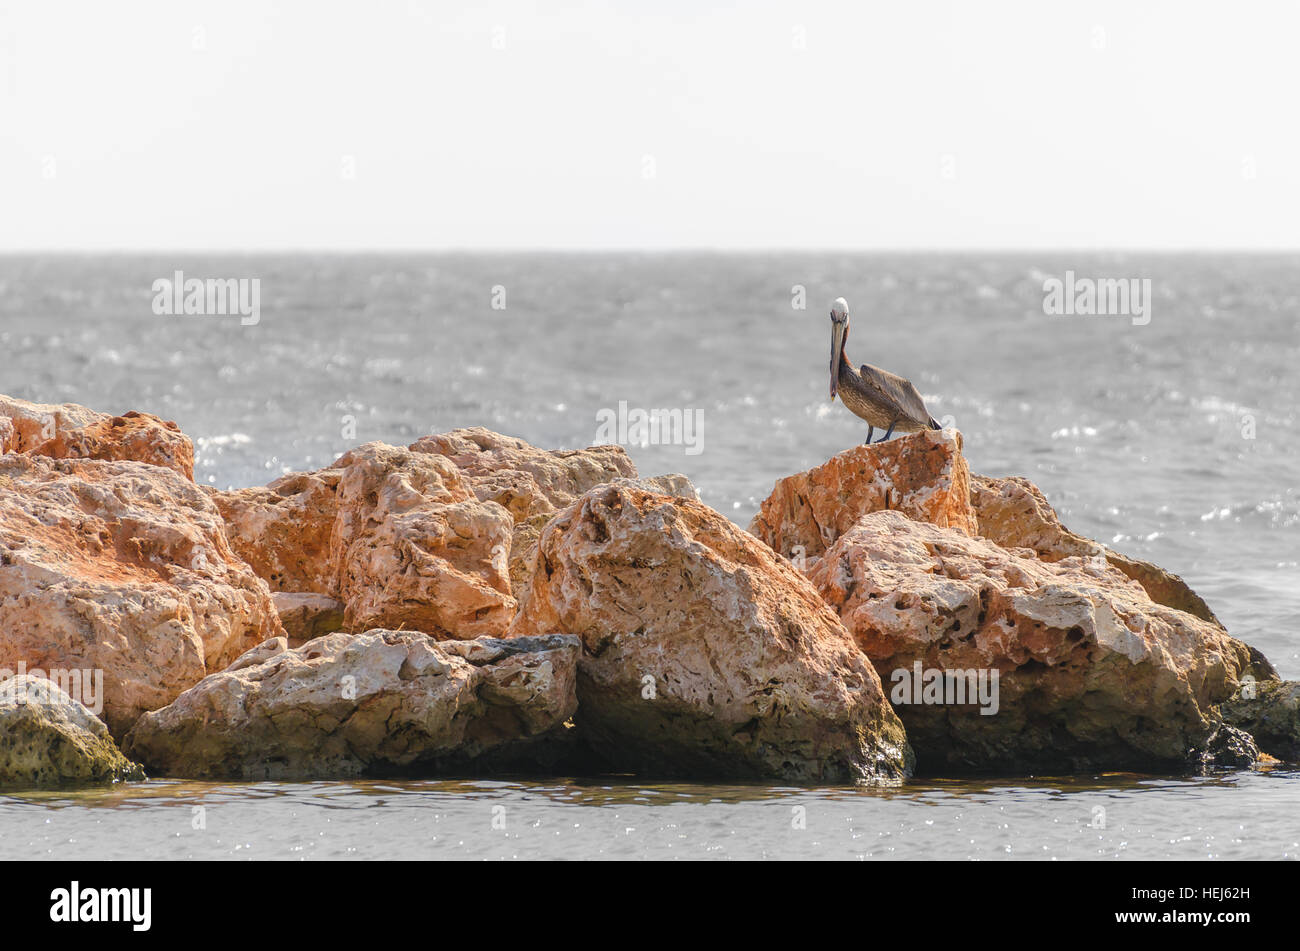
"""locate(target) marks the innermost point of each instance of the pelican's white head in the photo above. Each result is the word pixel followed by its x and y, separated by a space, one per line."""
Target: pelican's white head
pixel 839 310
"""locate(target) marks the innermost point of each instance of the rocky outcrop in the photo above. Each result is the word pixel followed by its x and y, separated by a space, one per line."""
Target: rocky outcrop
pixel 1091 672
pixel 531 484
pixel 378 703
pixel 1270 712
pixel 704 654
pixel 121 567
pixel 398 537
pixel 70 431
pixel 923 475
pixel 283 529
pixel 1014 513
pixel 304 615
pixel 413 547
pixel 434 538
pixel 49 739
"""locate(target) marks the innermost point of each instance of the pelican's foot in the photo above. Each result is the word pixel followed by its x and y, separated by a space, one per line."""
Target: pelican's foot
pixel 889 432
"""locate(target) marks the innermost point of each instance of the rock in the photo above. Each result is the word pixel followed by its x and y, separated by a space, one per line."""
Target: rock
pixel 283 529
pixel 413 547
pixel 704 654
pixel 923 475
pixel 531 484
pixel 1270 712
pixel 1014 514
pixel 121 567
pixel 399 537
pixel 1227 748
pixel 35 424
pixel 49 739
pixel 1092 673
pixel 379 703
pixel 305 615
pixel 434 557
pixel 674 484
pixel 75 432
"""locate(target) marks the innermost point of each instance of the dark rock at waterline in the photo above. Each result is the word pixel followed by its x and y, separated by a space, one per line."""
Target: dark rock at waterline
pixel 1270 712
pixel 49 739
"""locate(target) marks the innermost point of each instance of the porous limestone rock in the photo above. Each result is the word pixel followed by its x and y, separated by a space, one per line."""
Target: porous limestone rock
pixel 379 703
pixel 305 615
pixel 531 484
pixel 121 567
pixel 70 431
pixel 49 739
pixel 704 654
pixel 413 547
pixel 1014 513
pixel 1091 672
pixel 923 475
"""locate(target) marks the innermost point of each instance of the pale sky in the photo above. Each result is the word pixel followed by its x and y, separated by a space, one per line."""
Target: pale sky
pixel 383 125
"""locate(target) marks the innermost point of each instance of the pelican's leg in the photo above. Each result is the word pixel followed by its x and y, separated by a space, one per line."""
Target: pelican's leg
pixel 888 432
pixel 870 429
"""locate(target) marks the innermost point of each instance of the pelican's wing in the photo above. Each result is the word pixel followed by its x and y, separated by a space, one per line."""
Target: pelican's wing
pixel 898 391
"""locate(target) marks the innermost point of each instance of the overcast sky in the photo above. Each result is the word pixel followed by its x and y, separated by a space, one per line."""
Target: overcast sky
pixel 395 124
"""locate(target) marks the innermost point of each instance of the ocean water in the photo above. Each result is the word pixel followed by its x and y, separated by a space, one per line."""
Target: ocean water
pixel 1174 441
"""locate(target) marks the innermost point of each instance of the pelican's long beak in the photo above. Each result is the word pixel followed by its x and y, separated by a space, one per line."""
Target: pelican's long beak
pixel 837 348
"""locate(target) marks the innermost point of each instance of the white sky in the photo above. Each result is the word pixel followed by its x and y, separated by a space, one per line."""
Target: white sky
pixel 900 125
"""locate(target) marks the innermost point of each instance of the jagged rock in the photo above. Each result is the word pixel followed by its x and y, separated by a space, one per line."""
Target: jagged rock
pixel 1014 513
pixel 379 703
pixel 70 431
pixel 283 529
pixel 122 567
pixel 413 547
pixel 531 484
pixel 1227 748
pixel 923 475
pixel 397 536
pixel 432 554
pixel 49 739
pixel 1270 712
pixel 704 654
pixel 305 615
pixel 1092 672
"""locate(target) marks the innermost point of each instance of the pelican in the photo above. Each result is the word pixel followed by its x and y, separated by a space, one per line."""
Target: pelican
pixel 876 395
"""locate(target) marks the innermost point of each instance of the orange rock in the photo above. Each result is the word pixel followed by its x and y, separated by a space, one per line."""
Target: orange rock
pixel 70 431
pixel 121 567
pixel 413 547
pixel 283 529
pixel 531 484
pixel 1092 673
pixel 1014 513
pixel 431 551
pixel 923 475
pixel 703 652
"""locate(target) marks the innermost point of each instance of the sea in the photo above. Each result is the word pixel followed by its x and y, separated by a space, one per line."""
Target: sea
pixel 1165 428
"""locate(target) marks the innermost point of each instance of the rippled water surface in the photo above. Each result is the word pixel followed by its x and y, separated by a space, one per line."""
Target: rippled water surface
pixel 1110 816
pixel 1174 442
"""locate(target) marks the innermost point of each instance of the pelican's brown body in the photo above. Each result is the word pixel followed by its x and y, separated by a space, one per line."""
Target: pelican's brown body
pixel 885 400
pixel 881 398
